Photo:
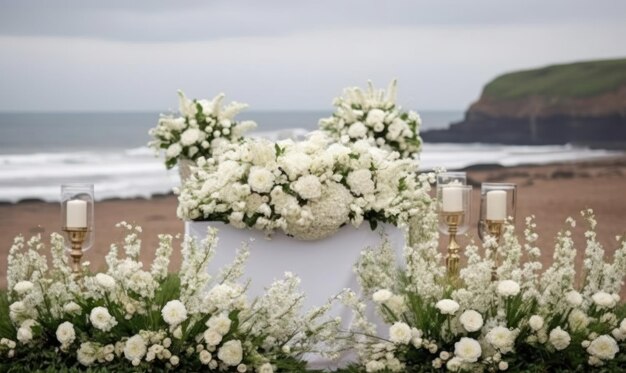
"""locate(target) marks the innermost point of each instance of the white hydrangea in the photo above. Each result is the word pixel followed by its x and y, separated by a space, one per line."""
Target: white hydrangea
pixel 231 353
pixel 559 338
pixel 65 333
pixel 508 288
pixel 101 319
pixel 501 338
pixel 468 350
pixel 357 130
pixel 135 348
pixel 471 320
pixel 400 333
pixel 308 187
pixel 447 306
pixel 360 182
pixel 603 347
pixel 174 312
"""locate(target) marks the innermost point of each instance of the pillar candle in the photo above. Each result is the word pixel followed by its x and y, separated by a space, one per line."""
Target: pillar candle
pixel 496 205
pixel 452 199
pixel 76 214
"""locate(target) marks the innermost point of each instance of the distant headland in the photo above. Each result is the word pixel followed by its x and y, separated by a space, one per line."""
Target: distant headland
pixel 578 103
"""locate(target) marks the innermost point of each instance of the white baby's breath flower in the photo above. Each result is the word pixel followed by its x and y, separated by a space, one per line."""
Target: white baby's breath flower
pixel 471 320
pixel 603 299
pixel 467 349
pixel 604 347
pixel 105 281
pixel 65 333
pixel 231 353
pixel 574 298
pixel 559 338
pixel 135 348
pixel 508 288
pixel 381 296
pixel 101 319
pixel 501 338
pixel 536 322
pixel 23 287
pixel 447 306
pixel 400 333
pixel 174 312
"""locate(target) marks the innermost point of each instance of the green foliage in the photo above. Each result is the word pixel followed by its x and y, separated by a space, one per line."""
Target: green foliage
pixel 7 330
pixel 582 79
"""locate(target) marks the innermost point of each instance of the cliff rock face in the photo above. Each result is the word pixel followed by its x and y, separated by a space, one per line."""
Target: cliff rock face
pixel 582 103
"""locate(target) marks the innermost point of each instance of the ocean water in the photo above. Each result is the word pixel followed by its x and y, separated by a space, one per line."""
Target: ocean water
pixel 41 151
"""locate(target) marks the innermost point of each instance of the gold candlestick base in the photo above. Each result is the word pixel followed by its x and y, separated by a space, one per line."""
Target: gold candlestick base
pixel 494 227
pixel 453 220
pixel 77 237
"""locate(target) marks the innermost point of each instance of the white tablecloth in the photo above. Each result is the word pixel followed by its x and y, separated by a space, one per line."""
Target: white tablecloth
pixel 324 266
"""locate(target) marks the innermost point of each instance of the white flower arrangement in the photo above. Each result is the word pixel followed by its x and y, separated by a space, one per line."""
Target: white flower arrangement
pixel 527 321
pixel 374 116
pixel 307 189
pixel 135 319
pixel 201 126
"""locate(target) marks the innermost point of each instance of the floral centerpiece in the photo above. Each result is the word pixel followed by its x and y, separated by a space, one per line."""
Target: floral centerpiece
pixel 307 189
pixel 525 321
pixel 373 115
pixel 197 130
pixel 131 318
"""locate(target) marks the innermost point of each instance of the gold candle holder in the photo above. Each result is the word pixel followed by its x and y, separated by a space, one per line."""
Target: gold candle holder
pixel 453 220
pixel 494 227
pixel 77 238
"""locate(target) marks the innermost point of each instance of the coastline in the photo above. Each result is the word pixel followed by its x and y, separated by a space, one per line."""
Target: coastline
pixel 550 192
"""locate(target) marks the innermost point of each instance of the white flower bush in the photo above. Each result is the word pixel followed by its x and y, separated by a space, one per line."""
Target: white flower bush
pixel 200 127
pixel 306 189
pixel 374 116
pixel 132 318
pixel 528 320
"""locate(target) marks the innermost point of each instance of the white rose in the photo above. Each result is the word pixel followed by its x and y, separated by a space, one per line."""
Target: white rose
pixel 23 287
pixel 503 365
pixel 501 338
pixel 357 130
pixel 71 307
pixel 66 333
pixel 105 281
pixel 559 338
pixel 360 182
pixel 173 150
pixel 260 179
pixel 231 353
pixel 308 187
pixel 447 306
pixel 212 337
pixel 101 319
pixel 467 349
pixel 603 299
pixel 86 354
pixel 508 288
pixel 604 347
pixel 190 136
pixel 383 295
pixel 400 333
pixel 135 348
pixel 379 127
pixel 205 357
pixel 220 323
pixel 374 117
pixel 471 320
pixel 174 312
pixel 454 364
pixel 578 320
pixel 574 298
pixel 266 368
pixel 536 322
pixel 622 326
pixel 25 333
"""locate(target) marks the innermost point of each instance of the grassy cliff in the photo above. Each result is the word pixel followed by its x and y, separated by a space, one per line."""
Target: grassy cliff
pixel 574 80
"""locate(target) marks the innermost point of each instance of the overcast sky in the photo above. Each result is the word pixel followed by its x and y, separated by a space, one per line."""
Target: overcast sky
pixel 134 55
